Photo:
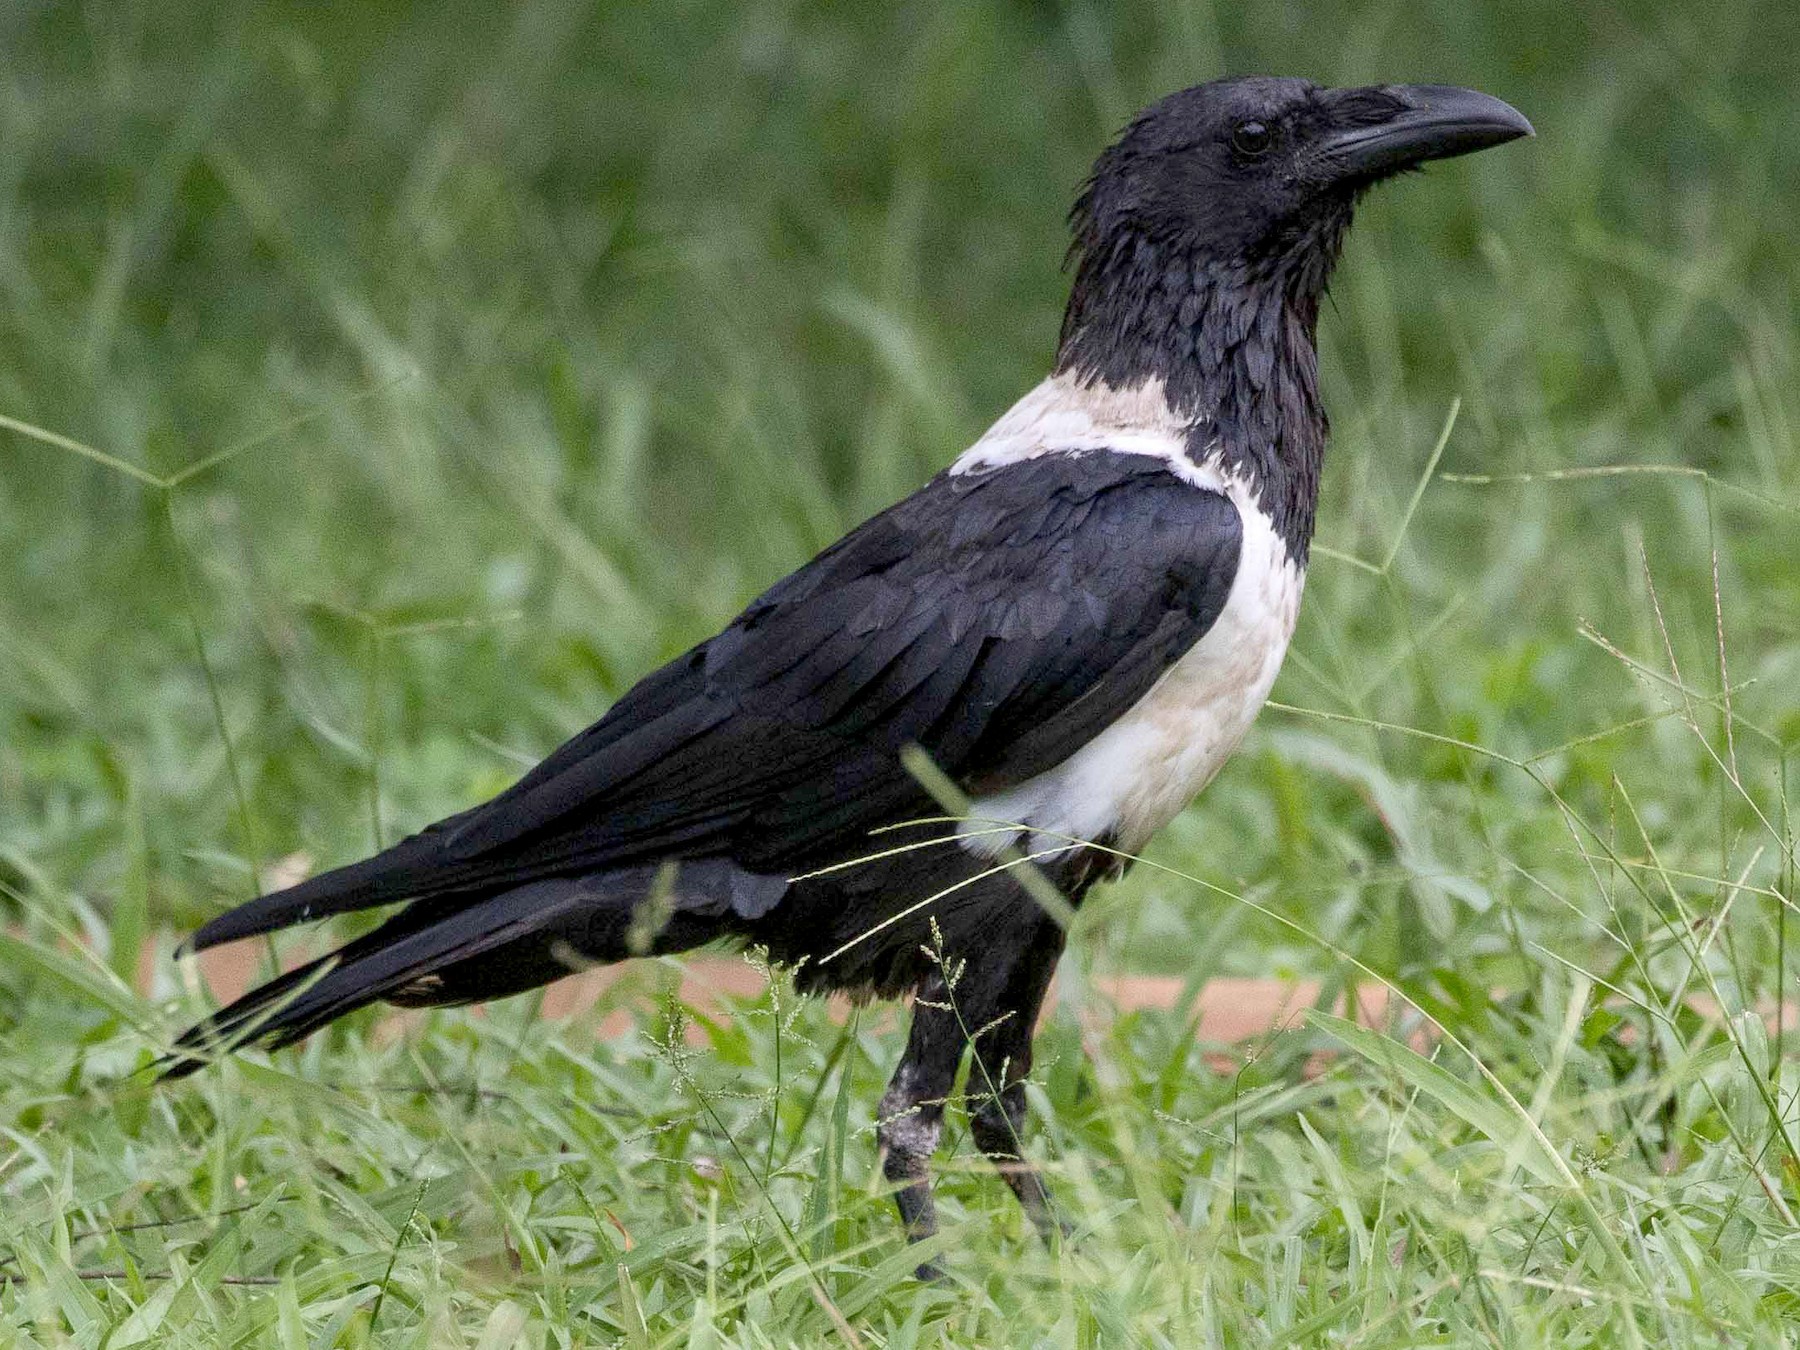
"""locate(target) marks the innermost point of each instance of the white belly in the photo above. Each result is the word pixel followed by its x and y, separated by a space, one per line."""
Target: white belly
pixel 1132 779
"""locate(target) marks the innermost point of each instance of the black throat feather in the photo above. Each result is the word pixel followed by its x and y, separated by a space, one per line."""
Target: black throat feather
pixel 1232 341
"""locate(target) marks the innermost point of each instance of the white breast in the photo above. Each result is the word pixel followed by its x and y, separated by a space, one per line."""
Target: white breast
pixel 1132 779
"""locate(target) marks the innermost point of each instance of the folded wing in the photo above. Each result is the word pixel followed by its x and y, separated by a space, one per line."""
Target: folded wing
pixel 999 620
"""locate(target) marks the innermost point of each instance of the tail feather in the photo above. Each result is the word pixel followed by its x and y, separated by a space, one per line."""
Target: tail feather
pixel 240 1022
pixel 463 946
pixel 398 959
pixel 404 871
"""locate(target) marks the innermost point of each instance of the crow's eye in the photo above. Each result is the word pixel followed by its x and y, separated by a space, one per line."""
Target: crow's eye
pixel 1252 137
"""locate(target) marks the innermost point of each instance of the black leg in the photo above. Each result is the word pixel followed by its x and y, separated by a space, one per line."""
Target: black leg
pixel 996 1002
pixel 997 1077
pixel 912 1114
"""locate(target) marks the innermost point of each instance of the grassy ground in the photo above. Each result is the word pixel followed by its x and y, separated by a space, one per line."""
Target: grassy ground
pixel 456 365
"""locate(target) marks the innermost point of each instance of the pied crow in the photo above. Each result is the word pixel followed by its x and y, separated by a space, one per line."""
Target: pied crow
pixel 1076 623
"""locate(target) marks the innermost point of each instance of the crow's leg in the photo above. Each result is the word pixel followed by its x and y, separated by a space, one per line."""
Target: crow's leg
pixel 995 1002
pixel 912 1112
pixel 997 1074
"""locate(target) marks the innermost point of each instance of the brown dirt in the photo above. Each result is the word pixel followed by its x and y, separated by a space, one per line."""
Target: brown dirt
pixel 1229 1010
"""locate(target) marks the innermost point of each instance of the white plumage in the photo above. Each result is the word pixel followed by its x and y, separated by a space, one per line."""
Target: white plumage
pixel 1137 775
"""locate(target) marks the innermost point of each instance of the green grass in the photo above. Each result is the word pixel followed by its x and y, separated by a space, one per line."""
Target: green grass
pixel 387 389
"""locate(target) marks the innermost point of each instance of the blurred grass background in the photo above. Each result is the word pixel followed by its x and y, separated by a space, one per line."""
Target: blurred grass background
pixel 459 363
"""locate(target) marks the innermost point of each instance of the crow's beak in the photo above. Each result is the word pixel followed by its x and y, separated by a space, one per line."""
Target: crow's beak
pixel 1432 121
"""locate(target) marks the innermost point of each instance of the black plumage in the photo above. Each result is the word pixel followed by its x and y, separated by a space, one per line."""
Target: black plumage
pixel 1002 619
pixel 999 621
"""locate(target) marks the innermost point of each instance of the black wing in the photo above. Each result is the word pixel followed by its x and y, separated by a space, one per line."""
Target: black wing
pixel 999 620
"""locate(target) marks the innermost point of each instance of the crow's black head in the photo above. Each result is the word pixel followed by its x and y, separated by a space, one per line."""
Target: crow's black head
pixel 1223 199
pixel 1257 168
pixel 1205 239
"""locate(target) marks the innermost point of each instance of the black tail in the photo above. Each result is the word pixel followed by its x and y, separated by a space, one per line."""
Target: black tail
pixel 409 870
pixel 447 950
